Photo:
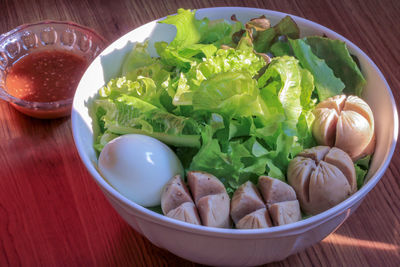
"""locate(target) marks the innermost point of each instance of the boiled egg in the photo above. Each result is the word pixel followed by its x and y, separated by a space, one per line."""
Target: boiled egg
pixel 139 166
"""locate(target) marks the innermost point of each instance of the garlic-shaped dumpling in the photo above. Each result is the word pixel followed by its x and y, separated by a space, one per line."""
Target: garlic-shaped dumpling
pixel 347 123
pixel 321 177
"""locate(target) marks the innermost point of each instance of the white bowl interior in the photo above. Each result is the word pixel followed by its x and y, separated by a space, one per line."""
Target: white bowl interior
pixel 107 65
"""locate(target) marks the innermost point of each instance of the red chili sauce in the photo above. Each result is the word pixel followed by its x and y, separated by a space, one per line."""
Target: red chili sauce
pixel 45 76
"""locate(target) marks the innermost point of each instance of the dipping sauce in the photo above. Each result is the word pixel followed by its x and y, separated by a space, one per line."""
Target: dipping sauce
pixel 45 76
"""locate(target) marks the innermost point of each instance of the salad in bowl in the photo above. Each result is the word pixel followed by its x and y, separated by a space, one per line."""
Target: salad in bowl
pixel 235 100
pixel 231 127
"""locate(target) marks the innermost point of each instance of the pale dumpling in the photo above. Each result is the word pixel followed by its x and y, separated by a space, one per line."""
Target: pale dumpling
pixel 322 177
pixel 346 123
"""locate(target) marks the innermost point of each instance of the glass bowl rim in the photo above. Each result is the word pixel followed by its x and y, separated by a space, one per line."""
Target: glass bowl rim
pixel 50 104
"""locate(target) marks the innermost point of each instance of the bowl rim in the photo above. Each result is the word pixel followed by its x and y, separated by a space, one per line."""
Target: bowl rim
pixel 50 105
pixel 288 229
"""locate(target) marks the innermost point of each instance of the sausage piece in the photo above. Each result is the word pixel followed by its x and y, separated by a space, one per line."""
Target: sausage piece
pixel 174 194
pixel 257 219
pixel 203 184
pixel 245 200
pixel 186 212
pixel 214 210
pixel 211 199
pixel 177 203
pixel 274 190
pixel 285 212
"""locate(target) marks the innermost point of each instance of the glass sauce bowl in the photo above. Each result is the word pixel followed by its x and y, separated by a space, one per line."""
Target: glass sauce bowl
pixel 59 36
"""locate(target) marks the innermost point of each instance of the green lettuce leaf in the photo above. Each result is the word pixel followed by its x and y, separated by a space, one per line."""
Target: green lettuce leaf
pixel 362 166
pixel 229 60
pixel 188 28
pixel 338 58
pixel 194 39
pixel 137 59
pixel 286 90
pixel 327 84
pixel 170 56
pixel 129 114
pixel 281 48
pixel 143 88
pixel 230 93
pixel 242 161
pixel 287 72
pixel 211 159
pixel 219 32
pixel 192 50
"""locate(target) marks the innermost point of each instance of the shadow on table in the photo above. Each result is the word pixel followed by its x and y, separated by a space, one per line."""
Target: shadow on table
pixel 23 125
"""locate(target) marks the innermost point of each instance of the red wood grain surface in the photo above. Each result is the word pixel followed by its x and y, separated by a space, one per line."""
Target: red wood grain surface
pixel 53 214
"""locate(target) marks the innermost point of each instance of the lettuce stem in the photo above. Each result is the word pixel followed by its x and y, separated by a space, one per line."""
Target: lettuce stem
pixel 173 140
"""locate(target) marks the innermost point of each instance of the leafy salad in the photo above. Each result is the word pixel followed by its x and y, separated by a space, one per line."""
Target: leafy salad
pixel 231 99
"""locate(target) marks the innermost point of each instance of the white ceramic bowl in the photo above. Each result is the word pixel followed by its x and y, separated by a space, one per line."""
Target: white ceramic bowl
pixel 215 246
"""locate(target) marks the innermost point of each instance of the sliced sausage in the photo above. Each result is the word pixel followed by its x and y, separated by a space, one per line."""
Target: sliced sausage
pixel 285 212
pixel 245 200
pixel 214 210
pixel 203 184
pixel 186 212
pixel 257 219
pixel 274 190
pixel 211 199
pixel 177 203
pixel 174 194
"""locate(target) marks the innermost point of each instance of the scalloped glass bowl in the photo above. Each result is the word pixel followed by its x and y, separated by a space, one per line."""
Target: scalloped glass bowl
pixel 45 36
pixel 231 247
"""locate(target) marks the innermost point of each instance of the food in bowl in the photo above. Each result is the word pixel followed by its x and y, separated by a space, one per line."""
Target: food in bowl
pixel 236 101
pixel 45 76
pixel 248 210
pixel 276 205
pixel 177 202
pixel 208 204
pixel 347 123
pixel 322 177
pixel 230 247
pixel 211 199
pixel 42 63
pixel 139 166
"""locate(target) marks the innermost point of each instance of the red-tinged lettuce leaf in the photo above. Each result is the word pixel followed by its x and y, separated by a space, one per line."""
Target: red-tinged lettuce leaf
pixel 264 39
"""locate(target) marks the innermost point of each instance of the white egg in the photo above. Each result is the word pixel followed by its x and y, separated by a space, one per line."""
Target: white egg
pixel 139 166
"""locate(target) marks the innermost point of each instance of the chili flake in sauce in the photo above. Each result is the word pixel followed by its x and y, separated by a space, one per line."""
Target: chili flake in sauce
pixel 46 76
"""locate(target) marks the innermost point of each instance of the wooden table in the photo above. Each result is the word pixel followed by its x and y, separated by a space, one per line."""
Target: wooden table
pixel 51 211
